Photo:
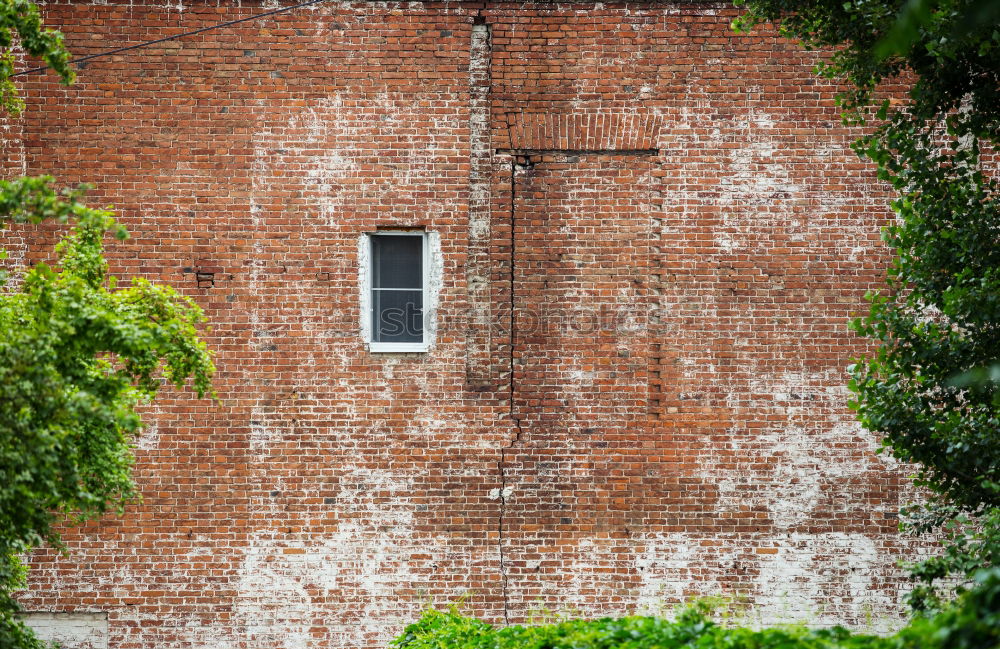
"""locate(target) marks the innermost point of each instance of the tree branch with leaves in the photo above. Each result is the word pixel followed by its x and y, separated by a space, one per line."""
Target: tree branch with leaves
pixel 78 355
pixel 930 389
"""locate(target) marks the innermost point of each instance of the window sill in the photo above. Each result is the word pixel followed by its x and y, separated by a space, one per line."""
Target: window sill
pixel 382 348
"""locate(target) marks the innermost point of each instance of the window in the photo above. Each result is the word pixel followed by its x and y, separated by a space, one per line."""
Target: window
pixel 396 276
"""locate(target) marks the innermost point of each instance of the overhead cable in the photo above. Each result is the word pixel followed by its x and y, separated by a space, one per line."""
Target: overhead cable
pixel 137 46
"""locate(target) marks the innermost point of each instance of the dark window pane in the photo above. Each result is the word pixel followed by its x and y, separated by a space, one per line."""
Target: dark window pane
pixel 397 261
pixel 397 316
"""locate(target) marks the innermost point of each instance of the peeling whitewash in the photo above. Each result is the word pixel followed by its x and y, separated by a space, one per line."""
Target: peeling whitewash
pixel 75 630
pixel 814 579
pixel 325 143
pixel 287 586
pixel 804 453
pixel 287 583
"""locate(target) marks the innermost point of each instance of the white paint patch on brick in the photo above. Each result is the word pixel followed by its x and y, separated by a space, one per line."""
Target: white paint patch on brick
pixel 70 630
pixel 272 604
pixel 803 456
pixel 501 494
pixel 803 461
pixel 764 194
pixel 813 579
pixel 290 584
pixel 264 431
pixel 673 568
pixel 148 438
pixel 303 144
pixel 821 579
pixel 182 632
pixel 12 135
pixel 327 142
pixel 755 178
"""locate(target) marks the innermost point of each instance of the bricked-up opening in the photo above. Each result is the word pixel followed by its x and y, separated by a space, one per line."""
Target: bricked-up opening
pixel 607 132
pixel 70 630
pixel 580 341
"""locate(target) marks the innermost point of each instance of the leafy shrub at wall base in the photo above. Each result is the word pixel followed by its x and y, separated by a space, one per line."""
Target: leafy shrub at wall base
pixel 972 622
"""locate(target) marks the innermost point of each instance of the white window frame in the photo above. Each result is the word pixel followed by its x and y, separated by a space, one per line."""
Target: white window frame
pixel 366 272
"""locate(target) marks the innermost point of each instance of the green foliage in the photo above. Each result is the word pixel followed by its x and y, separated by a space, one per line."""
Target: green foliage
pixel 439 630
pixel 21 24
pixel 930 390
pixel 13 633
pixel 693 628
pixel 950 47
pixel 917 15
pixel 970 544
pixel 972 622
pixel 77 355
pixel 939 318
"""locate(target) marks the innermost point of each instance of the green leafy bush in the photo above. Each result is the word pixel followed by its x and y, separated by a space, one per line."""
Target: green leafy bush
pixel 693 628
pixel 971 622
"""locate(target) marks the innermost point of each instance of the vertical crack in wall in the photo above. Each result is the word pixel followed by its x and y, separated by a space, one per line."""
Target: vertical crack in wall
pixel 518 430
pixel 478 267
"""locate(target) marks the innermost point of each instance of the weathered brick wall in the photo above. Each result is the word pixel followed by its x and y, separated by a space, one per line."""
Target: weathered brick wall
pixel 76 630
pixel 652 233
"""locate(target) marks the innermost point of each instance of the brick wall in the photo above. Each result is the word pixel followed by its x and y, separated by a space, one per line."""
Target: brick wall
pixel 71 630
pixel 652 234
